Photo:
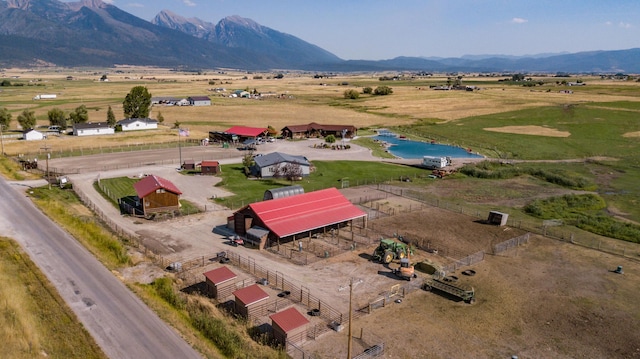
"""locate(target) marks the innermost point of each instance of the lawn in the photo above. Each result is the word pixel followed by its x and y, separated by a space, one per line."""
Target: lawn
pixel 327 174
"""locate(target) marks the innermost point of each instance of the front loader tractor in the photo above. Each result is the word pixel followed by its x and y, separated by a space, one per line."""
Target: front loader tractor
pixel 390 249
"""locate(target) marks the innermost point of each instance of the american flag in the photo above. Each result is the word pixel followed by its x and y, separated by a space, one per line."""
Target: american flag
pixel 184 133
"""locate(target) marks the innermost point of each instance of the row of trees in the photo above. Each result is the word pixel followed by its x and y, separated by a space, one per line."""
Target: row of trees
pixel 136 104
pixel 379 91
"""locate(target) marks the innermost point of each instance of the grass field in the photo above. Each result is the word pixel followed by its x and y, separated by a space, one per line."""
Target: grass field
pixel 34 320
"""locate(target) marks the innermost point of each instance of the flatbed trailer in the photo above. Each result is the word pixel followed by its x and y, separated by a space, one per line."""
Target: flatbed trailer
pixel 466 294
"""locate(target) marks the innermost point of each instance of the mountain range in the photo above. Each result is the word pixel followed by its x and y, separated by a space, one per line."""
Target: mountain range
pixel 92 33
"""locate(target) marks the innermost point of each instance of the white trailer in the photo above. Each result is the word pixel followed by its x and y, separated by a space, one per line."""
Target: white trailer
pixel 45 97
pixel 435 162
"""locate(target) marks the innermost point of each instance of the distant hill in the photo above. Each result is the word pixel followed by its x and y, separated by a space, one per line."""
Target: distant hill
pixel 92 33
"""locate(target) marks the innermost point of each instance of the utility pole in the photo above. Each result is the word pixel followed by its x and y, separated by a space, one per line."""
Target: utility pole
pixel 47 148
pixel 179 148
pixel 351 285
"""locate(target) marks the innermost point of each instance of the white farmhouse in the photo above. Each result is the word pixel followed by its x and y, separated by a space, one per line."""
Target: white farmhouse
pixel 267 165
pixel 92 129
pixel 133 124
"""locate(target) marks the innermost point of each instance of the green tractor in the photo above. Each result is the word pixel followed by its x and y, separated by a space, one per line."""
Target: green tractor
pixel 390 249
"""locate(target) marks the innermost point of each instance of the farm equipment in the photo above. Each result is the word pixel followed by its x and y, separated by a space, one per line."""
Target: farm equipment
pixel 406 270
pixel 467 294
pixel 389 249
pixel 235 241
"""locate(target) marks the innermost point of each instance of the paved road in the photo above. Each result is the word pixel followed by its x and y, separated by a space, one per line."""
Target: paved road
pixel 121 324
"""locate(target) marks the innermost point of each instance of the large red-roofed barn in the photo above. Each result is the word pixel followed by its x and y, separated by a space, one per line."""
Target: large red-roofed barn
pixel 157 195
pixel 289 325
pixel 304 214
pixel 220 282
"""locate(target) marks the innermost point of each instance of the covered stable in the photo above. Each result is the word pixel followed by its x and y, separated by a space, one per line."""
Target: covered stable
pixel 289 325
pixel 238 134
pixel 210 167
pixel 248 300
pixel 219 282
pixel 157 194
pixel 285 219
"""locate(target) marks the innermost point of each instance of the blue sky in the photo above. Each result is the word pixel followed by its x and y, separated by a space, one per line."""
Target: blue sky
pixel 384 29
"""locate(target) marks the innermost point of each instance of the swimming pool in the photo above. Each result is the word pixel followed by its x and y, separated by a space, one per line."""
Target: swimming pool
pixel 415 149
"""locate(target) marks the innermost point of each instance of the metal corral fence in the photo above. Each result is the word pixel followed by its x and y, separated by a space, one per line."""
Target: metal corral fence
pixel 511 243
pixel 464 262
pixel 310 249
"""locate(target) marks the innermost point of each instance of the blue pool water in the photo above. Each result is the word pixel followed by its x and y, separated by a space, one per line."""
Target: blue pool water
pixel 415 149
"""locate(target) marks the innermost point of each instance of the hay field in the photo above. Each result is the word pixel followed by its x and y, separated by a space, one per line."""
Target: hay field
pixel 297 98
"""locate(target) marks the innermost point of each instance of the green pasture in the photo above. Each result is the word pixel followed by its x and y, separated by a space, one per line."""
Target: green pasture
pixel 594 131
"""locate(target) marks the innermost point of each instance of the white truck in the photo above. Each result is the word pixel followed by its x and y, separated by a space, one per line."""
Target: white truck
pixel 45 97
pixel 433 163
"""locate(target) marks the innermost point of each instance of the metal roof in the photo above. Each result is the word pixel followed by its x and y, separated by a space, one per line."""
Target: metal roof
pixel 250 295
pixel 151 183
pixel 289 319
pixel 246 131
pixel 273 158
pixel 127 121
pixel 282 192
pixel 220 275
pixel 90 125
pixel 207 163
pixel 304 212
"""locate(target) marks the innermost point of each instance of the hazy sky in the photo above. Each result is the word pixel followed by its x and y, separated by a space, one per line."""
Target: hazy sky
pixel 384 29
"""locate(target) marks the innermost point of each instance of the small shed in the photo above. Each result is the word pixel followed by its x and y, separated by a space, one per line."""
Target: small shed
pixel 257 236
pixel 289 325
pixel 248 298
pixel 189 165
pixel 498 218
pixel 219 282
pixel 210 167
pixel 32 135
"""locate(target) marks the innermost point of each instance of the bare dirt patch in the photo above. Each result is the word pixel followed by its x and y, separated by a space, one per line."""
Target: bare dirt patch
pixel 530 130
pixel 632 134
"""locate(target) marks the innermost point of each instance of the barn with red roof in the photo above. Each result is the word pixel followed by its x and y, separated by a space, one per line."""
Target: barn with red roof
pixel 302 214
pixel 220 282
pixel 249 301
pixel 157 194
pixel 289 325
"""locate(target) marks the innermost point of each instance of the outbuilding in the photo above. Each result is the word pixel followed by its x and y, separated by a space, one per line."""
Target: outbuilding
pixel 210 167
pixel 289 325
pixel 157 194
pixel 301 214
pixel 220 282
pixel 189 165
pixel 248 301
pixel 32 135
pixel 199 101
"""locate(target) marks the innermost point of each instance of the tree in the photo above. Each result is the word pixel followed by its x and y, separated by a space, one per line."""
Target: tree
pixel 351 94
pixel 57 117
pixel 137 103
pixel 176 124
pixel 104 78
pixel 367 90
pixel 27 119
pixel 5 82
pixel 5 118
pixel 382 91
pixel 79 115
pixel 160 117
pixel 330 139
pixel 111 118
pixel 290 171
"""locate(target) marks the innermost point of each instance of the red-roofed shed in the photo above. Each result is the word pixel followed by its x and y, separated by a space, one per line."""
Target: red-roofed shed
pixel 157 194
pixel 209 167
pixel 289 325
pixel 249 298
pixel 302 213
pixel 220 282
